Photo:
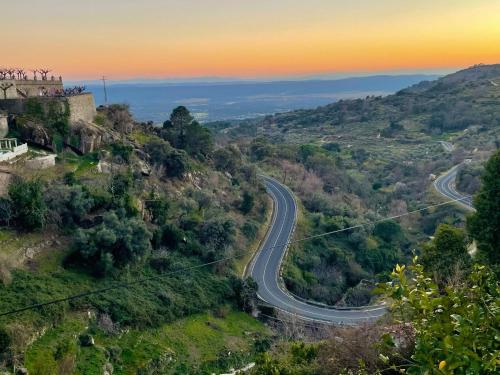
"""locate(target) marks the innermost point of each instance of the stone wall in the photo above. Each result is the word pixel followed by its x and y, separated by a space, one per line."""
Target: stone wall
pixel 42 162
pixel 30 87
pixel 82 107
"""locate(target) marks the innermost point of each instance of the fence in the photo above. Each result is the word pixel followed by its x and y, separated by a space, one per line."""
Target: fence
pixel 16 151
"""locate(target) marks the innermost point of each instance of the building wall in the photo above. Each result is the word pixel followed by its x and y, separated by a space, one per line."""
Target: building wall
pixel 30 87
pixel 82 107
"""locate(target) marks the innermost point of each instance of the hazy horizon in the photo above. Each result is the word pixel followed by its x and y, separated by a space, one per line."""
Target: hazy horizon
pixel 234 38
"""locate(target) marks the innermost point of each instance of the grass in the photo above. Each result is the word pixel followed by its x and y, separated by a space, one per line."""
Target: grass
pixel 242 262
pixel 196 342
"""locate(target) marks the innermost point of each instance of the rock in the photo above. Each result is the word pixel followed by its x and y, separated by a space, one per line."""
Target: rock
pixel 86 340
pixel 103 167
pixel 144 168
pixel 35 133
pixel 108 369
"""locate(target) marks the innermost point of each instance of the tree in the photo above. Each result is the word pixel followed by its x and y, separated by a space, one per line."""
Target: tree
pixel 246 292
pixel 260 149
pixel 175 128
pixel 388 230
pixel 484 224
pixel 185 133
pixel 28 204
pixel 158 209
pixel 5 340
pixel 67 205
pixel 217 234
pixel 175 162
pixel 227 159
pixel 446 253
pixel 4 87
pixel 5 211
pixel 198 141
pixel 456 330
pixel 247 203
pixel 114 243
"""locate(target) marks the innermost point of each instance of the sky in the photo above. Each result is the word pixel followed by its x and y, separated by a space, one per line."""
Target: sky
pixel 126 39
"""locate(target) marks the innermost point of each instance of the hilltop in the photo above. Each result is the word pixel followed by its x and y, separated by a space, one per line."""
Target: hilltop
pixel 454 102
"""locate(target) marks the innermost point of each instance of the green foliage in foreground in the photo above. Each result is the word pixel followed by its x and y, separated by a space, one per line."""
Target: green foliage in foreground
pixel 456 331
pixel 484 225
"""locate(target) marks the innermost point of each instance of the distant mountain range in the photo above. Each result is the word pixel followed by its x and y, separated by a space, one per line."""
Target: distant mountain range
pixel 210 101
pixel 467 98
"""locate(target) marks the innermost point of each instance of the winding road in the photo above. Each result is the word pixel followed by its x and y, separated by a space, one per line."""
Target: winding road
pixel 445 185
pixel 265 268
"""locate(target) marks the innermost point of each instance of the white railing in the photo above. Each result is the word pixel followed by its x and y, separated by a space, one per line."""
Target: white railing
pixel 16 151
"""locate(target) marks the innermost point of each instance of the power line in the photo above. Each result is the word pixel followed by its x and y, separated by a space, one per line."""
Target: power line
pixel 186 269
pixel 105 90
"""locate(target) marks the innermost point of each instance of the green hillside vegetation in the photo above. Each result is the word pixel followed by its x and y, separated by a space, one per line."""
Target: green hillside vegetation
pixel 444 310
pixel 357 161
pixel 162 221
pixel 155 205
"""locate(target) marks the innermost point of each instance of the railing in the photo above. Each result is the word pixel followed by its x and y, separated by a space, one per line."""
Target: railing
pixel 16 151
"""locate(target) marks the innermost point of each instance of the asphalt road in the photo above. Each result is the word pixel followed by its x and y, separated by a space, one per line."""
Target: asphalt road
pixel 445 185
pixel 266 266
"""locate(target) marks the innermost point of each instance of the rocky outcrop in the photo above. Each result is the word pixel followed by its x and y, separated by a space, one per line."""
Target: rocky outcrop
pixel 36 133
pixel 84 136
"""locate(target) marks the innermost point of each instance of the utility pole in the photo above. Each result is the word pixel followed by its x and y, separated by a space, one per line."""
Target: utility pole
pixel 105 91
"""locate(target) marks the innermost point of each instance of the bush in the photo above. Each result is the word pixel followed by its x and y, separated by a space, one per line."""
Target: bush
pixel 388 230
pixel 250 229
pixel 115 243
pixel 122 150
pixel 175 162
pixel 28 203
pixel 67 205
pixel 247 203
pixel 5 340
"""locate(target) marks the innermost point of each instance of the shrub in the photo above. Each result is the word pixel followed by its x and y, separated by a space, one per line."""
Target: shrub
pixel 4 340
pixel 114 243
pixel 28 203
pixel 247 203
pixel 175 162
pixel 250 229
pixel 388 230
pixel 122 150
pixel 67 205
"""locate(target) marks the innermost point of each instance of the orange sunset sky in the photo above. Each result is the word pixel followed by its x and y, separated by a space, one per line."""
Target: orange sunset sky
pixel 247 38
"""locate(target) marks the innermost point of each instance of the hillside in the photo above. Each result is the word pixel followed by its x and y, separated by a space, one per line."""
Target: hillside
pixel 455 102
pixel 357 161
pixel 134 219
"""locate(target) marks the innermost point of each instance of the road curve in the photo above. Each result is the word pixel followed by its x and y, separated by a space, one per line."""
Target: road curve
pixel 265 268
pixel 445 185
